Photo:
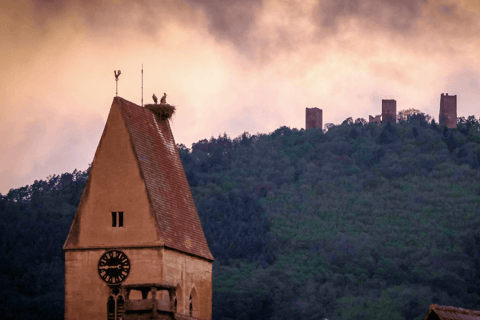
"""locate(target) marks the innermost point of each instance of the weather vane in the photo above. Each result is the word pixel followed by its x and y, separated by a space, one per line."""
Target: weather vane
pixel 116 79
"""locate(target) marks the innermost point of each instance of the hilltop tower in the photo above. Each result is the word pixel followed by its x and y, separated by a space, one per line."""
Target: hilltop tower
pixel 389 111
pixel 313 118
pixel 448 110
pixel 136 233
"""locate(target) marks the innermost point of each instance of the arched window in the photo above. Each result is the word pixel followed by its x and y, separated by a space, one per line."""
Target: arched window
pixel 193 306
pixel 115 306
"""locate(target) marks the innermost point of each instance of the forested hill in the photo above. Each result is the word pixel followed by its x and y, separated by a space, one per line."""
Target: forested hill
pixel 364 221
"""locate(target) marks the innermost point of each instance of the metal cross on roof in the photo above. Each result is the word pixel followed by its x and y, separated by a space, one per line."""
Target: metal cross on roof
pixel 116 80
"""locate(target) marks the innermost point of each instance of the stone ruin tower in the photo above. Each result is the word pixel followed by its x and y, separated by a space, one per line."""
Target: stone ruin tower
pixel 448 110
pixel 313 118
pixel 389 111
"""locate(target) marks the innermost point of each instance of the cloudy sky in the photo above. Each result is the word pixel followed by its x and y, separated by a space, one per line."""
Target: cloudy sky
pixel 229 66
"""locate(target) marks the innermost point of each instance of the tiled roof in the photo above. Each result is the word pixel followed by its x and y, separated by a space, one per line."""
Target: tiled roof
pixel 451 313
pixel 167 187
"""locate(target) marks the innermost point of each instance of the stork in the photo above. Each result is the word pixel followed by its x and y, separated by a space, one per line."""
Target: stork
pixel 164 99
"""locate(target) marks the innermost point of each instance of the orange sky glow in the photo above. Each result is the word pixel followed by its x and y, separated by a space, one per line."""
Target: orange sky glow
pixel 229 66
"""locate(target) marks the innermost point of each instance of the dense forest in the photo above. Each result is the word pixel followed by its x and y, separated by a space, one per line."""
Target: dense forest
pixel 362 221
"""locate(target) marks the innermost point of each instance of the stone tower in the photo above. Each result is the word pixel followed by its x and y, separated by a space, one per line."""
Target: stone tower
pixel 137 230
pixel 313 118
pixel 389 111
pixel 448 110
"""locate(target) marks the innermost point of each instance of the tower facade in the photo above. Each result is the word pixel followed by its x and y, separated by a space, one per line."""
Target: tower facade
pixel 313 118
pixel 136 231
pixel 389 111
pixel 448 110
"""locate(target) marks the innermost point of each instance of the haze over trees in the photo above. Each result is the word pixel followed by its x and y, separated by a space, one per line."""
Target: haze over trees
pixel 364 221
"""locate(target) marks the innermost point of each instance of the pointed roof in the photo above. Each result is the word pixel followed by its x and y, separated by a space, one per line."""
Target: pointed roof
pixel 167 187
pixel 451 313
pixel 168 192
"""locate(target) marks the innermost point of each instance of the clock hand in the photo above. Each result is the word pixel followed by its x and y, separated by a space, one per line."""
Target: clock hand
pixel 111 267
pixel 107 267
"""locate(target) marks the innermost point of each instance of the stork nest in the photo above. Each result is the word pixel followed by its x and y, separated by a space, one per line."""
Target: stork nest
pixel 162 111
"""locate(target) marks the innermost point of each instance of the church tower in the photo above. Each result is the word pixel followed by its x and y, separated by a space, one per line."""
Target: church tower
pixel 136 247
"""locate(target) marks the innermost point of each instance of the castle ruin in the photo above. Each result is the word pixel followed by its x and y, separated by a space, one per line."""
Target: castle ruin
pixel 389 111
pixel 447 116
pixel 377 119
pixel 313 118
pixel 448 110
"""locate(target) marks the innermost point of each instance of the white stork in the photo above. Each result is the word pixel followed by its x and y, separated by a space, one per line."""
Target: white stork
pixel 164 99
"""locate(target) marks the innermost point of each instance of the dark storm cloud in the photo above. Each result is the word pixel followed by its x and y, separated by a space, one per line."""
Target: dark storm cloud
pixel 235 21
pixel 229 20
pixel 49 7
pixel 446 10
pixel 106 17
pixel 397 15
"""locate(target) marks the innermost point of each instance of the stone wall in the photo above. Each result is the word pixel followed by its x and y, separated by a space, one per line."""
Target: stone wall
pixel 115 184
pixel 194 277
pixel 389 111
pixel 448 110
pixel 313 118
pixel 376 119
pixel 86 294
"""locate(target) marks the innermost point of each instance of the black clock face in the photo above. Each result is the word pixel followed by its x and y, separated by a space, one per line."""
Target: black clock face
pixel 114 267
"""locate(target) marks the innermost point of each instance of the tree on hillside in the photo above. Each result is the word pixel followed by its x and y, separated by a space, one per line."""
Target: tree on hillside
pixel 349 120
pixel 360 121
pixel 328 126
pixel 201 145
pixel 404 114
pixel 302 225
pixel 181 146
pixel 408 114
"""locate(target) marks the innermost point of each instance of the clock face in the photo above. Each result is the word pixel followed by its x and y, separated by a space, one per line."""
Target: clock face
pixel 114 267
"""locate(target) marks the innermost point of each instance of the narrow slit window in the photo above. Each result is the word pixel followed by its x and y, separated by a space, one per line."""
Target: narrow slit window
pixel 120 219
pixel 114 219
pixel 111 308
pixel 190 307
